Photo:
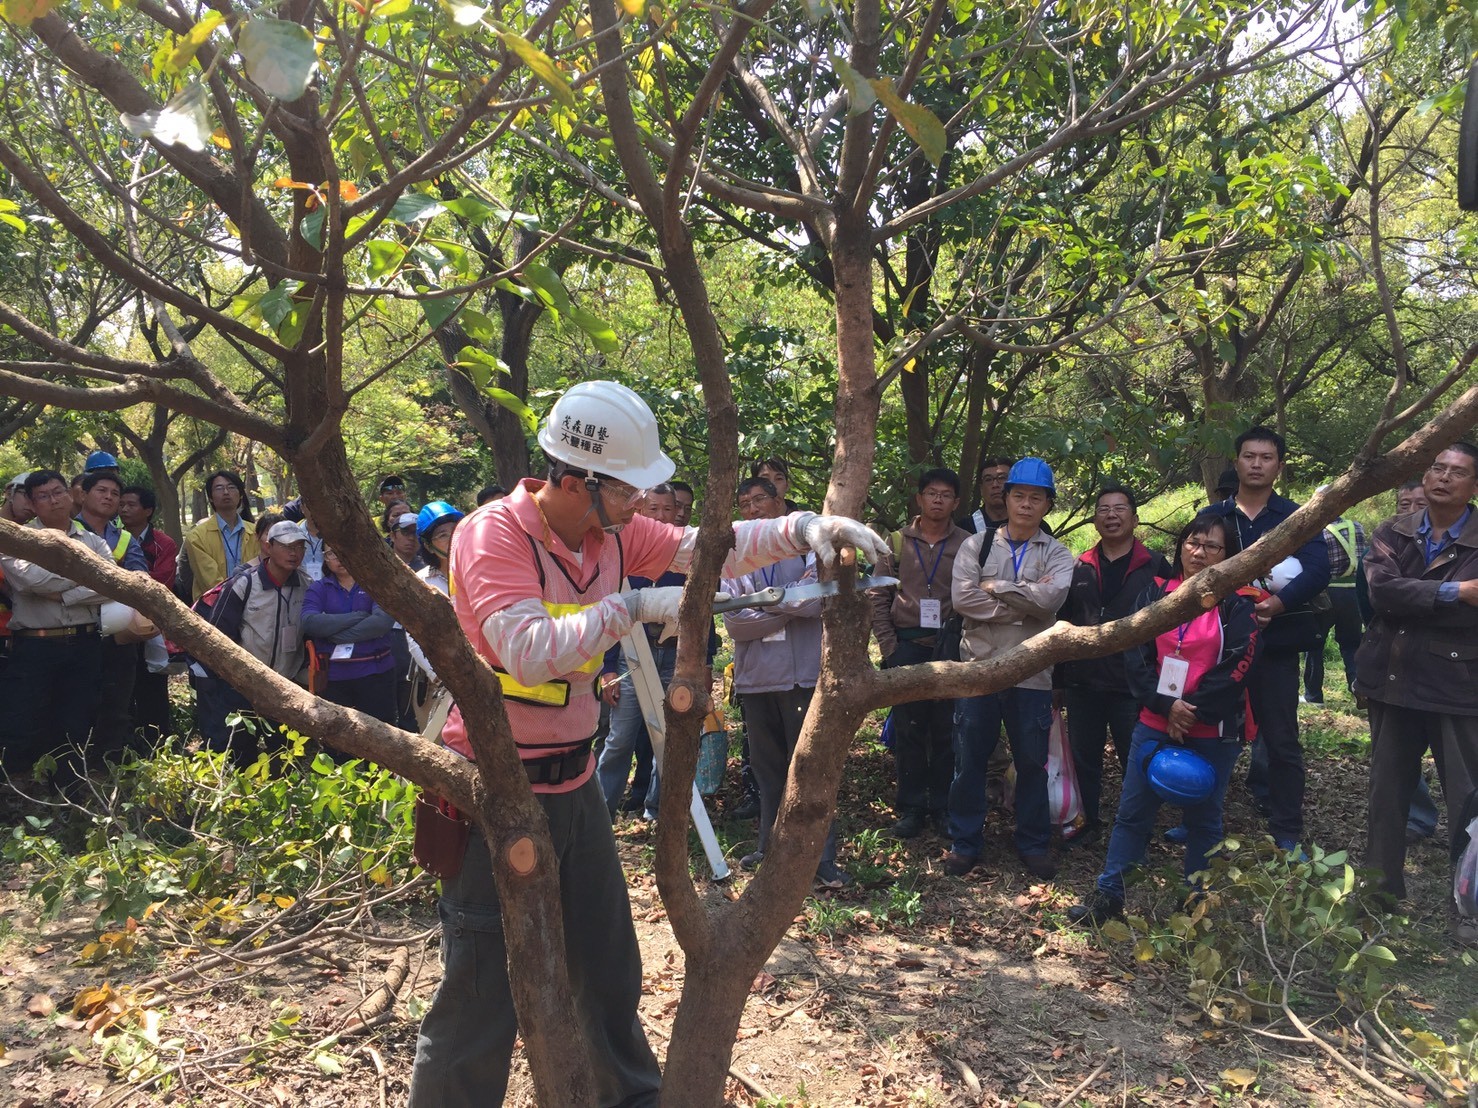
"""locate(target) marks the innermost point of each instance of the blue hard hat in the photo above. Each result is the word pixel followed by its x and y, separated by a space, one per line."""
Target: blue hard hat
pixel 1032 471
pixel 100 459
pixel 1179 776
pixel 433 513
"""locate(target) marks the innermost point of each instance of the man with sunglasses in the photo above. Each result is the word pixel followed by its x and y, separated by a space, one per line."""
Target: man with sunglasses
pixel 536 581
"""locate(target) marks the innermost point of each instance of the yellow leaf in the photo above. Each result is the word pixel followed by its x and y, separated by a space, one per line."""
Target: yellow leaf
pixel 283 901
pixel 634 8
pixel 24 12
pixel 919 122
pixel 1241 1078
pixel 541 65
pixel 191 42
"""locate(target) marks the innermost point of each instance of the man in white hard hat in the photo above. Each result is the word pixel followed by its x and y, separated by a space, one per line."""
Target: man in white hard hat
pixel 536 581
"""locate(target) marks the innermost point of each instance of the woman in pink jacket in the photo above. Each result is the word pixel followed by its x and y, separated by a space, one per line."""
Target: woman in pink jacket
pixel 1190 682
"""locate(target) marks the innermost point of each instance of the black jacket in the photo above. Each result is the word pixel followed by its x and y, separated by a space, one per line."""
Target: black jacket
pixel 1085 607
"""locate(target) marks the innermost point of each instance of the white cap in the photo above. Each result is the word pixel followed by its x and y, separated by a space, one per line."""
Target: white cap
pixel 404 520
pixel 287 531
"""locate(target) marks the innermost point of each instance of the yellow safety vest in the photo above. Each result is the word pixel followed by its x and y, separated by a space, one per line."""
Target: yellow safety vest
pixel 1344 534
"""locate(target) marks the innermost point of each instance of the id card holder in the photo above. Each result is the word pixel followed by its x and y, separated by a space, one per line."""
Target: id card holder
pixel 1173 674
pixel 775 636
pixel 342 652
pixel 929 613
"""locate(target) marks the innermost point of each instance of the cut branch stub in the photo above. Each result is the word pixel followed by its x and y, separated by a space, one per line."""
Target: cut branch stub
pixel 522 856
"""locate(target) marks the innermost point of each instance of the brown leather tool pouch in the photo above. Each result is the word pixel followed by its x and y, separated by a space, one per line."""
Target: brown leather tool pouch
pixel 441 837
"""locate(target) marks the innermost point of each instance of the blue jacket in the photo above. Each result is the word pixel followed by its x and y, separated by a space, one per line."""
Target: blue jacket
pixel 1313 556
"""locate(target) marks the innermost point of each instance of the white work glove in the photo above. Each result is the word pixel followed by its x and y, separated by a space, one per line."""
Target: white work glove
pixel 655 605
pixel 827 534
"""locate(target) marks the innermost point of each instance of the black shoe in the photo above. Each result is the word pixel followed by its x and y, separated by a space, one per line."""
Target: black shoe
pixel 1097 911
pixel 910 825
pixel 1040 865
pixel 632 803
pixel 1080 834
pixel 748 808
pixel 957 865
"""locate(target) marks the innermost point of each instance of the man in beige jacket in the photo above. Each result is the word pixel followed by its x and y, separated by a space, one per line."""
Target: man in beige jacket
pixel 1007 594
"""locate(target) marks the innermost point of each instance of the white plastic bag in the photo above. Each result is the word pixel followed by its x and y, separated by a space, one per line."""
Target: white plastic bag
pixel 1465 875
pixel 1064 800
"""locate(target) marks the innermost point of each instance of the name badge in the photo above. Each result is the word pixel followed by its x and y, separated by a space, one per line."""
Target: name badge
pixel 343 652
pixel 1173 674
pixel 929 613
pixel 775 636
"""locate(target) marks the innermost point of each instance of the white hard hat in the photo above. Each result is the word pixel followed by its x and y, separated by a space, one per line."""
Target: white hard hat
pixel 604 428
pixel 114 616
pixel 1281 574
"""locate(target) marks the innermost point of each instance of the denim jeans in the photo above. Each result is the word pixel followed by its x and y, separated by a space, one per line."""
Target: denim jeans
pixel 1092 716
pixel 1139 804
pixel 628 726
pixel 1027 714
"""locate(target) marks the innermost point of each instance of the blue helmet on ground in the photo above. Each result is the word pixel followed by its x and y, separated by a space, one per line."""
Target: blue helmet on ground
pixel 1034 472
pixel 433 513
pixel 99 459
pixel 1179 776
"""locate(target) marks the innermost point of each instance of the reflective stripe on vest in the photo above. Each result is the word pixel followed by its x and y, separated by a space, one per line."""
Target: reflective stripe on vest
pixel 1344 533
pixel 120 548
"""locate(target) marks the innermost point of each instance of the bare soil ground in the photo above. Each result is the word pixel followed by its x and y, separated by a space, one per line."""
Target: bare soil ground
pixel 911 988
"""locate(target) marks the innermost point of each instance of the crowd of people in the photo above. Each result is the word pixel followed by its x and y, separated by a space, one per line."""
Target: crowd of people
pixel 548 577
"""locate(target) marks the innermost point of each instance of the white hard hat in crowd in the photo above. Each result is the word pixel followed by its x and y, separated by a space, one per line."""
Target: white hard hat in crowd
pixel 604 428
pixel 1282 573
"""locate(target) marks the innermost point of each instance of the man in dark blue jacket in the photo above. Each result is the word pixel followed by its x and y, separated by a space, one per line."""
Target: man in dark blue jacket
pixel 1289 627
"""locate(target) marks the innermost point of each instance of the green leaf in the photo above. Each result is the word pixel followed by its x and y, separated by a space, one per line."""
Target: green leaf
pixel 860 96
pixel 526 415
pixel 539 62
pixel 181 122
pixel 479 327
pixel 385 257
pixel 547 284
pixel 279 56
pixel 1379 954
pixel 469 208
pixel 390 9
pixel 480 365
pixel 1116 931
pixel 276 304
pixel 191 42
pixel 413 207
pixel 922 125
pixel 437 309
pixel 600 332
pixel 464 13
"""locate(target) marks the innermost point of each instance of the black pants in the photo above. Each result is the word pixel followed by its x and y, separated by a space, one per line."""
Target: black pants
pixel 1092 717
pixel 151 719
pixel 923 748
pixel 1277 772
pixel 466 1040
pixel 372 694
pixel 1398 739
pixel 49 689
pixel 215 703
pixel 112 729
pixel 1348 628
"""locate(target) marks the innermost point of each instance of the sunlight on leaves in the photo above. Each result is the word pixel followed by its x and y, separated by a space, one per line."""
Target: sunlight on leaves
pixel 279 56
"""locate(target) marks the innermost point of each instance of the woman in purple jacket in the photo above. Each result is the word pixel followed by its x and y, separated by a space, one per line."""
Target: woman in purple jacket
pixel 351 635
pixel 1190 682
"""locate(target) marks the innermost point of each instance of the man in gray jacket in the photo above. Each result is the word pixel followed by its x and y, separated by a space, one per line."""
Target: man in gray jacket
pixel 1006 596
pixel 777 657
pixel 51 680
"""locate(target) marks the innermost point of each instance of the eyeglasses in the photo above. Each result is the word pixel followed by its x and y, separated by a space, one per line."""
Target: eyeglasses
pixel 1457 473
pixel 939 494
pixel 1118 510
pixel 48 497
pixel 628 496
pixel 993 478
pixel 754 501
pixel 1204 547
